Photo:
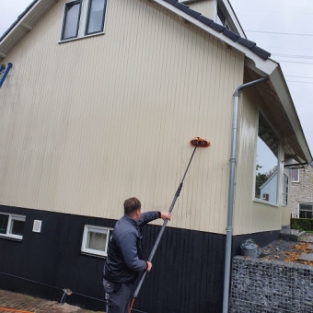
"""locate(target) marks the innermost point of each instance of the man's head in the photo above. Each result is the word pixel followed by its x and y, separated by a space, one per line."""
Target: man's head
pixel 132 207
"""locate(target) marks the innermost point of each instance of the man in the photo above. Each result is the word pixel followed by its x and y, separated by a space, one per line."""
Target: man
pixel 124 262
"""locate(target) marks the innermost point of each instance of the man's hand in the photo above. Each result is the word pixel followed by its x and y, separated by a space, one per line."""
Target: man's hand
pixel 166 216
pixel 149 266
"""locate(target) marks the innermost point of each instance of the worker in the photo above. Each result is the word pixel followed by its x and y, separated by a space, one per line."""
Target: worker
pixel 124 261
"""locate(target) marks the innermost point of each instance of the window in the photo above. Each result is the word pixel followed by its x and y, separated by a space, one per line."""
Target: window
pixel 83 18
pixel 12 226
pixel 95 240
pixel 285 193
pixel 266 181
pixel 305 210
pixel 295 175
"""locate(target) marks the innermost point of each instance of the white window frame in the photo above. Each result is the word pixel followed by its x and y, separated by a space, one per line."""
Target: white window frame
pixel 99 230
pixel 292 180
pixel 82 22
pixel 303 210
pixel 12 218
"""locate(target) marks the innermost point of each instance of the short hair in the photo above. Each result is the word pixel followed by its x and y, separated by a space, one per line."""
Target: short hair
pixel 131 205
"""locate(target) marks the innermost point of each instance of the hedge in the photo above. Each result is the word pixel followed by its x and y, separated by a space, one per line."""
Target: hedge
pixel 301 224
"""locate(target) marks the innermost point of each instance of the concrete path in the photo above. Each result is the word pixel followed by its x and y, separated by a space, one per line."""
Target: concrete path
pixel 11 302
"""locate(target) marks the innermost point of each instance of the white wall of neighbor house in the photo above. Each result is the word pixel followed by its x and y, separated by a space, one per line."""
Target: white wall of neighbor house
pixel 88 123
pixel 252 215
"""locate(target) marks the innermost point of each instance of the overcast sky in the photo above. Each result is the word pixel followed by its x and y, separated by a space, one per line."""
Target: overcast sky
pixel 282 27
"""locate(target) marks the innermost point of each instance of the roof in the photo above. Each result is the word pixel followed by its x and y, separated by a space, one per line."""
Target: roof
pixel 221 29
pixel 184 8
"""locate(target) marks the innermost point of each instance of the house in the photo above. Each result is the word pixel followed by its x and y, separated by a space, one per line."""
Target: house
pixel 301 192
pixel 99 105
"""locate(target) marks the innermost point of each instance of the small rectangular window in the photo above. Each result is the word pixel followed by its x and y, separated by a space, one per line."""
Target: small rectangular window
pixel 71 20
pixel 295 174
pixel 305 210
pixel 12 226
pixel 95 16
pixel 83 18
pixel 95 240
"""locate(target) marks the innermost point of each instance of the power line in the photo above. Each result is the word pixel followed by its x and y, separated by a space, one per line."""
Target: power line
pixel 299 76
pixel 309 13
pixel 278 33
pixel 299 56
pixel 295 62
pixel 301 82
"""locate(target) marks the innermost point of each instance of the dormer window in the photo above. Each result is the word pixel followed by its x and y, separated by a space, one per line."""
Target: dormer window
pixel 83 18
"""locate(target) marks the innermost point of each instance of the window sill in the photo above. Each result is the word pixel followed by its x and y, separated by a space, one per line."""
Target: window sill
pixel 80 38
pixel 10 238
pixel 94 255
pixel 265 202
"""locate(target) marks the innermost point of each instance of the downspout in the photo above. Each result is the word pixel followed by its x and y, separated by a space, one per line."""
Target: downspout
pixel 231 187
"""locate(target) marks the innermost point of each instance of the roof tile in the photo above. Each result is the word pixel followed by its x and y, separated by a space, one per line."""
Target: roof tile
pixel 205 20
pixel 231 35
pixel 261 53
pixel 247 43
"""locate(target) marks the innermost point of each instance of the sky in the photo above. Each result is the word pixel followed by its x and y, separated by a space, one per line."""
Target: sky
pixel 282 27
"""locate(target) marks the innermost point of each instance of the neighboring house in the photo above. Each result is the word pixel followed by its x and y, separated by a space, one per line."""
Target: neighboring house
pixel 268 189
pixel 100 105
pixel 302 192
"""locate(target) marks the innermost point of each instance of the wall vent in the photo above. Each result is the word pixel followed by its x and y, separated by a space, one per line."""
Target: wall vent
pixel 37 226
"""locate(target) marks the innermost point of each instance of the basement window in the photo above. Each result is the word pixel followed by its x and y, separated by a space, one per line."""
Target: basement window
pixel 95 240
pixel 12 226
pixel 83 18
pixel 305 210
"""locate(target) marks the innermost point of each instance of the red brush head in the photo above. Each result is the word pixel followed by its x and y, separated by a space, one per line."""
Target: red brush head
pixel 199 142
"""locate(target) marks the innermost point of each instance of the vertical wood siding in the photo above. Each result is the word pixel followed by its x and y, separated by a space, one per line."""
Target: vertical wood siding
pixel 252 217
pixel 206 8
pixel 88 123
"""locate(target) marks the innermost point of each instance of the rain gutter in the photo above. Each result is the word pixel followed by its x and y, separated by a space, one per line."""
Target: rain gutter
pixel 231 188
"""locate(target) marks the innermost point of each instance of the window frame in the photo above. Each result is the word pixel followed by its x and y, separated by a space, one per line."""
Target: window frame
pixel 265 123
pixel 83 21
pixel 65 17
pixel 9 226
pixel 88 18
pixel 298 175
pixel 96 229
pixel 304 210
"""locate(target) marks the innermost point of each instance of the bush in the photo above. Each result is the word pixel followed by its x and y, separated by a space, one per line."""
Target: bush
pixel 301 224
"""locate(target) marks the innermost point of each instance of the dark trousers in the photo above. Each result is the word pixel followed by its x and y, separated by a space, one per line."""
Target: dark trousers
pixel 117 296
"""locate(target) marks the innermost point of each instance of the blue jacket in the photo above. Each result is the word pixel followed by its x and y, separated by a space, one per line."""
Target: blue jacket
pixel 124 260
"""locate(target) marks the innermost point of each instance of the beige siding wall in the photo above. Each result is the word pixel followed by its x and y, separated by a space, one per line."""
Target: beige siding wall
pixel 207 8
pixel 252 216
pixel 88 123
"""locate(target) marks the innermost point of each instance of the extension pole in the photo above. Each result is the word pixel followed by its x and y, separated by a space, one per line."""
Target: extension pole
pixel 166 221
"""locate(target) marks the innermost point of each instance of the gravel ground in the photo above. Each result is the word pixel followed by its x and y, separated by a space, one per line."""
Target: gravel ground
pixel 288 251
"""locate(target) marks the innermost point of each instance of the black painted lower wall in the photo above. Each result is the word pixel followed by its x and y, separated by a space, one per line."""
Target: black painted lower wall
pixel 187 273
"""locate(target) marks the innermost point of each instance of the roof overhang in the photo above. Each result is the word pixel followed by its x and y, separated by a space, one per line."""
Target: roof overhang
pixel 23 25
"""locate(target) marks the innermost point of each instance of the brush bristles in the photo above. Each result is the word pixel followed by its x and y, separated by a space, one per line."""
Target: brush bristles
pixel 199 142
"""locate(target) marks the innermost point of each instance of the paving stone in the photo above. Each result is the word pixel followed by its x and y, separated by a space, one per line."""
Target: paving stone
pixel 306 257
pixel 16 301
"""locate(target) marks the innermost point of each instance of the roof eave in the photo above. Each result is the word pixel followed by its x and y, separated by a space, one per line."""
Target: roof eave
pixel 23 25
